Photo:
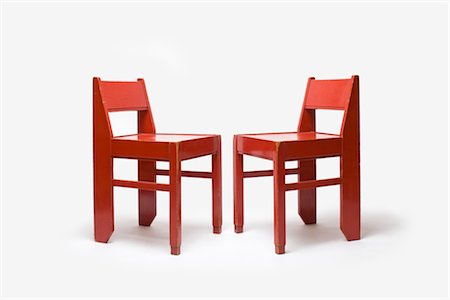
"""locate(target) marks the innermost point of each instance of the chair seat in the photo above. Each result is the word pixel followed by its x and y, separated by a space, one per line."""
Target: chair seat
pixel 291 136
pixel 295 145
pixel 157 145
pixel 162 137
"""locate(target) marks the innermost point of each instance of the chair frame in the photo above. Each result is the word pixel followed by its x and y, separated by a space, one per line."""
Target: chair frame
pixel 318 95
pixel 109 96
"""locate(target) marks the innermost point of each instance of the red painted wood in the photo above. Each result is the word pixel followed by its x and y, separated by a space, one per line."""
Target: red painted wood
pixel 328 94
pixel 175 199
pixel 246 144
pixel 162 137
pixel 310 184
pixel 103 188
pixel 292 136
pixel 350 168
pixel 143 185
pixel 305 146
pixel 119 96
pixel 313 149
pixel 217 189
pixel 195 174
pixel 238 187
pixel 146 172
pixel 251 174
pixel 279 202
pixel 155 146
pixel 306 198
pixel 138 150
pixel 147 147
pixel 301 145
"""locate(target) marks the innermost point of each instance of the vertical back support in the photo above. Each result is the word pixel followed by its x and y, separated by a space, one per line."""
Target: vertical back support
pixel 111 96
pixel 307 197
pixel 103 166
pixel 350 167
pixel 342 94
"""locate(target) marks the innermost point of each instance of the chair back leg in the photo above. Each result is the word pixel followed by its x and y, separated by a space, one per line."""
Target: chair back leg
pixel 350 194
pixel 307 198
pixel 147 199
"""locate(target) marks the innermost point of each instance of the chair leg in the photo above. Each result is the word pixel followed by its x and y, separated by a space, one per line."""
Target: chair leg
pixel 217 189
pixel 103 198
pixel 175 200
pixel 279 204
pixel 238 188
pixel 350 197
pixel 307 198
pixel 147 199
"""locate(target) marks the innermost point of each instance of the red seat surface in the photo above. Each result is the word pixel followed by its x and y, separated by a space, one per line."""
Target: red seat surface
pixel 291 136
pixel 162 137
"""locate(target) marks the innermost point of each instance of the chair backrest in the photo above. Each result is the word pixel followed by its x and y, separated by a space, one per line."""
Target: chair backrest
pixel 112 96
pixel 336 94
pixel 123 95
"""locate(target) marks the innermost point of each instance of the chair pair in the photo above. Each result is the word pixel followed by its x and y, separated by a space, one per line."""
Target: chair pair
pixel 304 146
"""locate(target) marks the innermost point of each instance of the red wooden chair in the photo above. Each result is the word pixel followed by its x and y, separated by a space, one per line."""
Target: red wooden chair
pixel 148 147
pixel 305 146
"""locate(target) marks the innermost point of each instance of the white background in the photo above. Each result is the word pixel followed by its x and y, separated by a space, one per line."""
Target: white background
pixel 224 68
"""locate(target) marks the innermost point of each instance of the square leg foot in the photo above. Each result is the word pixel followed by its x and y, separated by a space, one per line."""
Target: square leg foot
pixel 175 250
pixel 104 241
pixel 351 235
pixel 103 237
pixel 238 229
pixel 279 249
pixel 353 238
pixel 217 229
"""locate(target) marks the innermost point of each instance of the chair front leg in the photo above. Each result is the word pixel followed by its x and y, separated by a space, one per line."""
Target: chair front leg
pixel 238 188
pixel 147 199
pixel 307 198
pixel 350 195
pixel 103 196
pixel 175 199
pixel 217 188
pixel 279 203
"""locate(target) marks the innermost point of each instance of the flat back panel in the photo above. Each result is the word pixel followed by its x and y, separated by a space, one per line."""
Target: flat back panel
pixel 123 95
pixel 328 94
